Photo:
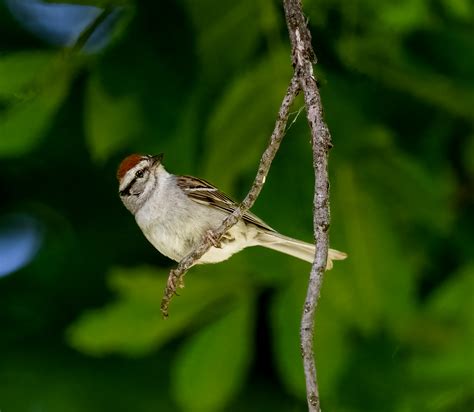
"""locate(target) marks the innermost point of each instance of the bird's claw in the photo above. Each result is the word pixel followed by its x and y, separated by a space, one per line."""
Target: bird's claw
pixel 213 239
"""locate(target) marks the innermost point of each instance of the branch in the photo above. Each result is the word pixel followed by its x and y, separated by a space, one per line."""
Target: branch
pixel 176 276
pixel 303 59
pixel 89 30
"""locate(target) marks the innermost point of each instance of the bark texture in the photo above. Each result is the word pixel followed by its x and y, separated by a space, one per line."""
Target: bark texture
pixel 303 58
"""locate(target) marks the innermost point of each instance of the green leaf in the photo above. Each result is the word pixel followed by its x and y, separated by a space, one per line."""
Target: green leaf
pixel 286 313
pixel 211 366
pixel 133 325
pixel 255 96
pixel 23 123
pixel 426 195
pixel 377 279
pixel 330 345
pixel 21 72
pixel 405 15
pixel 110 121
pixel 217 24
pixel 425 198
pixel 125 327
pixel 184 135
pixel 452 301
pixel 397 70
pixel 462 9
pixel 445 359
pixel 468 155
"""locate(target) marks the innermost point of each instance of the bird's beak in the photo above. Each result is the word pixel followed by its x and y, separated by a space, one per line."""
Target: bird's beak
pixel 157 158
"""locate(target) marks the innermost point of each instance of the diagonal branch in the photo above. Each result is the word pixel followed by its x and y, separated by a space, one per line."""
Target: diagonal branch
pixel 176 276
pixel 89 30
pixel 303 59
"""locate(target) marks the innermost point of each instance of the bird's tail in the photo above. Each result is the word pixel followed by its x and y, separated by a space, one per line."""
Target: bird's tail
pixel 296 248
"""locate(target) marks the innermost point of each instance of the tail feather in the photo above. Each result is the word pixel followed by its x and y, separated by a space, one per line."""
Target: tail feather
pixel 296 248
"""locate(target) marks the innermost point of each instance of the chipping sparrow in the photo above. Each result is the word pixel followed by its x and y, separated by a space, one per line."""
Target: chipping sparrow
pixel 176 212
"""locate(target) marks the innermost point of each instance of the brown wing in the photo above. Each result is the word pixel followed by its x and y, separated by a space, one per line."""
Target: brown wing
pixel 203 192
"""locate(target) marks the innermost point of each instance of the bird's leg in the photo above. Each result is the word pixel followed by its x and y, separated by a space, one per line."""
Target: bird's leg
pixel 209 235
pixel 226 238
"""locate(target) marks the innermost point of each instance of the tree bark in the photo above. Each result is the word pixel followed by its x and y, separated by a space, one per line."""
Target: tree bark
pixel 303 58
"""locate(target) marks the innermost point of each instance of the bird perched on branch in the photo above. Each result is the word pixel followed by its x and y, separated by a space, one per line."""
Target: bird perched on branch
pixel 175 213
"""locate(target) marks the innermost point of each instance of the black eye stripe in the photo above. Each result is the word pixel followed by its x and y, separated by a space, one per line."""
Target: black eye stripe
pixel 138 174
pixel 126 191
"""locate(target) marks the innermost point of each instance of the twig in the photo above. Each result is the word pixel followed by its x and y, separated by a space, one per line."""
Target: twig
pixel 89 30
pixel 303 59
pixel 176 276
pixel 297 114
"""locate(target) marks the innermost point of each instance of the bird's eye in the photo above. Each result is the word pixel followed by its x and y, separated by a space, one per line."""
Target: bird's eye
pixel 139 173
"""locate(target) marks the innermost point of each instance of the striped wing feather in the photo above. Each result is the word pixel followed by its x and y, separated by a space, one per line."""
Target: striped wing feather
pixel 203 192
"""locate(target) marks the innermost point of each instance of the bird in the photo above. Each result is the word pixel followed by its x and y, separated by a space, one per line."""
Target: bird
pixel 176 212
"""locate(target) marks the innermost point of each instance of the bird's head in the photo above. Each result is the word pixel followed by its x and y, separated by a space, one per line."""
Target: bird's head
pixel 137 176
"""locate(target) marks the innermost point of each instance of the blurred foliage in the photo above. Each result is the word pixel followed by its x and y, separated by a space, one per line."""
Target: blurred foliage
pixel 202 82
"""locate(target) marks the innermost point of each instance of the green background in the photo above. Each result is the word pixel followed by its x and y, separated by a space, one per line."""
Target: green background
pixel 201 81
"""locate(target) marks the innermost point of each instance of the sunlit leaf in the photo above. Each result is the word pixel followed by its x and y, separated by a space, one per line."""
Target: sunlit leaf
pixel 285 317
pixel 216 25
pixel 362 55
pixel 211 365
pixel 468 155
pixel 425 197
pixel 124 327
pixel 330 344
pixel 133 325
pixel 405 15
pixel 378 279
pixel 461 9
pixel 22 72
pixel 24 123
pixel 255 97
pixel 453 299
pixel 446 359
pixel 110 121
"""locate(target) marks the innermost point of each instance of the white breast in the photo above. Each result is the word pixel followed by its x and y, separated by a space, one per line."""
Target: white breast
pixel 175 224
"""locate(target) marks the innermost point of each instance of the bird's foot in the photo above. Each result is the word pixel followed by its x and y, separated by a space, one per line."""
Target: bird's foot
pixel 213 239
